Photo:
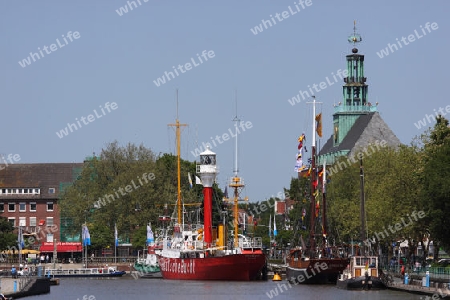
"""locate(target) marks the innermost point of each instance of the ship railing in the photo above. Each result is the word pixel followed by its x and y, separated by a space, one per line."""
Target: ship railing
pixel 257 242
pixel 192 227
pixel 250 243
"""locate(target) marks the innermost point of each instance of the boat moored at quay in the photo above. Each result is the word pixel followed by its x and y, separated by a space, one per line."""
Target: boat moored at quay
pixel 191 252
pixel 84 272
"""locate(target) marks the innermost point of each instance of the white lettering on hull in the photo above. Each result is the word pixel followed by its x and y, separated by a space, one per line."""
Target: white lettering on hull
pixel 178 267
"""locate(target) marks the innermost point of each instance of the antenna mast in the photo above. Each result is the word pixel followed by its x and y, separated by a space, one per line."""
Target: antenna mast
pixel 236 120
pixel 236 183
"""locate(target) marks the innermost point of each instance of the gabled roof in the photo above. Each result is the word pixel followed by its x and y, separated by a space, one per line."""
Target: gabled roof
pixel 366 130
pixel 351 138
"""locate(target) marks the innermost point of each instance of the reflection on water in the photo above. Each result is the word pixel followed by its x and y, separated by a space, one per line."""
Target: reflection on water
pixel 129 288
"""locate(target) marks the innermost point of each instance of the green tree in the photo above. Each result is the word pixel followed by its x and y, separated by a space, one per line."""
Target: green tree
pixel 128 186
pixel 391 192
pixel 7 238
pixel 436 182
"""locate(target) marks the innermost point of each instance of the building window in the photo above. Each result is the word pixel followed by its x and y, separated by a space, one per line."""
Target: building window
pixel 12 220
pixel 22 221
pixel 49 221
pixel 49 206
pixel 2 207
pixel 37 191
pixel 32 221
pixel 49 237
pixel 22 206
pixel 51 190
pixel 9 191
pixel 11 207
pixel 32 206
pixel 3 191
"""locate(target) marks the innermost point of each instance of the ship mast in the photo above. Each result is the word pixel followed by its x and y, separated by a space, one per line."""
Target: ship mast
pixel 236 183
pixel 324 203
pixel 177 126
pixel 362 208
pixel 313 180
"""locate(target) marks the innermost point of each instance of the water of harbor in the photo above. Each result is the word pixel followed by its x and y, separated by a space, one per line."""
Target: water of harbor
pixel 129 288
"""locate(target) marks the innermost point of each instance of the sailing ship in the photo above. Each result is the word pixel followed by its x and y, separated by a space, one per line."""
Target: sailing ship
pixel 363 273
pixel 311 263
pixel 191 253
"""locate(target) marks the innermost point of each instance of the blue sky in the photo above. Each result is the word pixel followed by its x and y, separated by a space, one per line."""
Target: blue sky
pixel 117 58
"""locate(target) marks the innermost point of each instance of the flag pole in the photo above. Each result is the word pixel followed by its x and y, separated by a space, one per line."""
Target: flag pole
pixel 83 259
pixel 20 245
pixel 115 243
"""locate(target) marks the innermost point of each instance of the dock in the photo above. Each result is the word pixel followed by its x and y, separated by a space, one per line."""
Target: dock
pixel 24 286
pixel 437 289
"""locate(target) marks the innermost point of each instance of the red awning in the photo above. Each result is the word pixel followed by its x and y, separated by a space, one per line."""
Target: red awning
pixel 62 247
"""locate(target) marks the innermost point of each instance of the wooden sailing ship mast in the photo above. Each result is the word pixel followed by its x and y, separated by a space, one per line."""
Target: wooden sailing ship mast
pixel 314 190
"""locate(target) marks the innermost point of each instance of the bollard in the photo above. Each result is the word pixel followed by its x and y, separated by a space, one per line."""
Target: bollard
pixel 406 278
pixel 15 286
pixel 427 276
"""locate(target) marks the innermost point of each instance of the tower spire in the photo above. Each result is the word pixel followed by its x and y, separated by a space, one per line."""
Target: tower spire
pixel 355 93
pixel 354 38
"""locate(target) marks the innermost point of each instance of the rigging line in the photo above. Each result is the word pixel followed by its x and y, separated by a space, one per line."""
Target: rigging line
pixel 169 140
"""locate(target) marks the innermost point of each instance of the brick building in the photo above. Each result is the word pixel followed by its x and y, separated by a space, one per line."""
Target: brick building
pixel 29 196
pixel 283 207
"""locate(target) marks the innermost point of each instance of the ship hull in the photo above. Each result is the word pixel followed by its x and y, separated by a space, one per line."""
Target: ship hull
pixel 236 267
pixel 361 283
pixel 117 274
pixel 146 269
pixel 315 271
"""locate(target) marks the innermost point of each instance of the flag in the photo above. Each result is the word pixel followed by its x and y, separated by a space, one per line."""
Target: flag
pixel 150 238
pixel 20 241
pixel 270 225
pixel 198 180
pixel 116 238
pixel 319 124
pixel 300 141
pixel 299 166
pixel 86 236
pixel 274 227
pixel 309 171
pixel 190 180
